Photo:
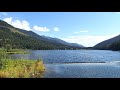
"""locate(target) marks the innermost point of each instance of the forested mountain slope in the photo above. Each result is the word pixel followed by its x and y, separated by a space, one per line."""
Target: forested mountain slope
pixel 18 38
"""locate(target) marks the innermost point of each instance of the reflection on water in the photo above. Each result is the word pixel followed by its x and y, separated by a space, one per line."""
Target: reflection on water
pixel 82 70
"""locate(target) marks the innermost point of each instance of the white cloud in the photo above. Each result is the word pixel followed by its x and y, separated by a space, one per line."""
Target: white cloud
pixel 8 20
pixel 25 25
pixel 82 31
pixel 41 29
pixel 18 24
pixel 3 13
pixel 56 29
pixel 88 41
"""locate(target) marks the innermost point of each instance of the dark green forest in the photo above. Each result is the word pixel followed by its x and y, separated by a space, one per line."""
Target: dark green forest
pixel 16 38
pixel 115 46
pixel 110 44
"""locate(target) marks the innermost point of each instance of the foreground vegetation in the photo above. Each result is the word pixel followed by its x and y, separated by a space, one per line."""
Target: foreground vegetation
pixel 17 51
pixel 20 68
pixel 13 51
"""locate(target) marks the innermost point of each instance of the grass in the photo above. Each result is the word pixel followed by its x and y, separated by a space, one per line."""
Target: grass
pixel 20 68
pixel 17 51
pixel 14 51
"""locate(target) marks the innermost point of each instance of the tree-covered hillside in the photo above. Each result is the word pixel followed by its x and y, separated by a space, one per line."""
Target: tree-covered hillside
pixel 110 44
pixel 18 38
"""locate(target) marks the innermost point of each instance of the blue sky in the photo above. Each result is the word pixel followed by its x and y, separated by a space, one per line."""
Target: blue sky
pixel 86 28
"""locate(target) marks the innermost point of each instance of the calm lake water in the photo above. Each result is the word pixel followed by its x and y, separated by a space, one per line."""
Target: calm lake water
pixel 77 63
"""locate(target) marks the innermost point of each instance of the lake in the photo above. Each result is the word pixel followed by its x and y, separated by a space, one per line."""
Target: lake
pixel 77 63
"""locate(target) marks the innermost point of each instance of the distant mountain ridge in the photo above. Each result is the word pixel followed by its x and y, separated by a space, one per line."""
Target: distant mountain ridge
pixel 62 41
pixel 49 39
pixel 111 43
pixel 30 40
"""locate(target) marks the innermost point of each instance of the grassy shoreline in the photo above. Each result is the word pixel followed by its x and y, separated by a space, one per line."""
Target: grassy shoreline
pixel 14 51
pixel 20 68
pixel 17 51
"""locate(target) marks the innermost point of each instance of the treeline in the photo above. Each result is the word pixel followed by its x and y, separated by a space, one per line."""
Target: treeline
pixel 13 38
pixel 26 42
pixel 115 46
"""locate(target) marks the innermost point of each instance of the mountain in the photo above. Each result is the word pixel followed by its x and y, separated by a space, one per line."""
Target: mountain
pixel 62 41
pixel 111 44
pixel 19 38
pixel 50 39
pixel 75 44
